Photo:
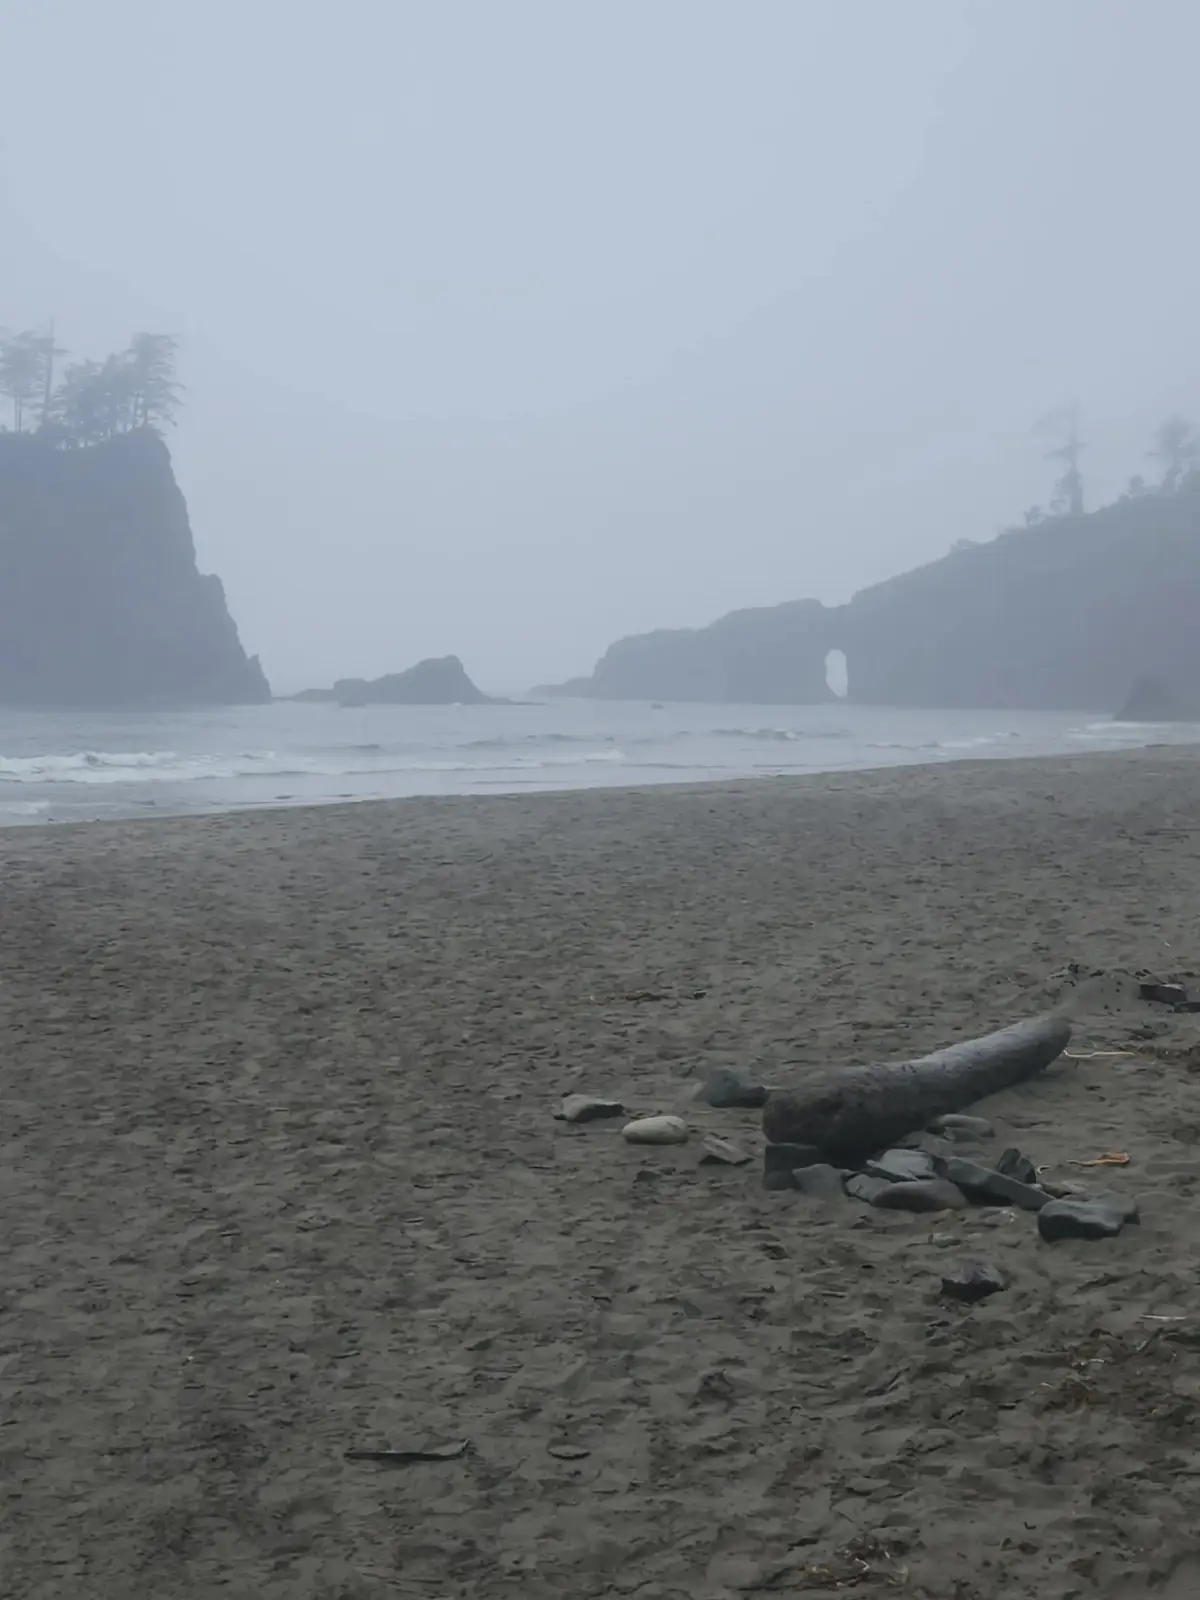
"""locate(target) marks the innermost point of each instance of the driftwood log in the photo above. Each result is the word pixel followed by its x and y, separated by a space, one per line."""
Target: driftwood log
pixel 853 1114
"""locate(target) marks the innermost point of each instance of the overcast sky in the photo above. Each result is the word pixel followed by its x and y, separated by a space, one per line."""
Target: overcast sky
pixel 512 326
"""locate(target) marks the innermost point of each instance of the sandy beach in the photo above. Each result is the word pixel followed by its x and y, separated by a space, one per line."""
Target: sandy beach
pixel 281 1178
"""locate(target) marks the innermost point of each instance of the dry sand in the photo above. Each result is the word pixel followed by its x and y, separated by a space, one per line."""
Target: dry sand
pixel 280 1177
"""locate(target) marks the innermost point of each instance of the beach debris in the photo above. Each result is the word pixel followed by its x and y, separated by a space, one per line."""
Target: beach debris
pixel 973 1281
pixel 1167 994
pixel 567 1452
pixel 851 1114
pixel 1111 1158
pixel 407 1458
pixel 996 1216
pixel 962 1128
pixel 726 1091
pixel 921 1194
pixel 819 1182
pixel 1101 1218
pixel 1012 1164
pixel 587 1108
pixel 988 1186
pixel 656 1130
pixel 722 1152
pixel 902 1166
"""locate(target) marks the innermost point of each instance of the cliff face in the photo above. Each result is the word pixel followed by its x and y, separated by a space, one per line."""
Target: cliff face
pixel 101 604
pixel 1063 616
pixel 770 655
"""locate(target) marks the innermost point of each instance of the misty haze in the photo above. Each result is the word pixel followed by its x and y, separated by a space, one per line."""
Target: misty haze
pixel 599 752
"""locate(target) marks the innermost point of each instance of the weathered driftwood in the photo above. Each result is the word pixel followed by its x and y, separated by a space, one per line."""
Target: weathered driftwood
pixel 852 1114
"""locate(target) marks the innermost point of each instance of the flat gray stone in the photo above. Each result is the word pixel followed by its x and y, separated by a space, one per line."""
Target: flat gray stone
pixel 862 1186
pixel 986 1185
pixel 921 1194
pixel 1101 1218
pixel 902 1166
pixel 587 1108
pixel 722 1152
pixel 1013 1164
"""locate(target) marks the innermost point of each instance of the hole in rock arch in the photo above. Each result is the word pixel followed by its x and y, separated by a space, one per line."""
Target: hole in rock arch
pixel 837 674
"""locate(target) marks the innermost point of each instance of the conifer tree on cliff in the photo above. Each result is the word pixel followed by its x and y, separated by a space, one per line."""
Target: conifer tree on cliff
pixel 156 392
pixel 21 373
pixel 1177 448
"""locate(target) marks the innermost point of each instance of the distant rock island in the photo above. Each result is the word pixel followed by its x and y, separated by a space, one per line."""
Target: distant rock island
pixel 101 602
pixel 437 681
pixel 1065 614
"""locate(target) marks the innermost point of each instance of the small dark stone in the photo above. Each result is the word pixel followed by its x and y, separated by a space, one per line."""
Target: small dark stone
pixel 726 1091
pixel 1085 1219
pixel 821 1182
pixel 1168 994
pixel 921 1194
pixel 973 1281
pixel 902 1166
pixel 787 1157
pixel 862 1186
pixel 965 1127
pixel 991 1187
pixel 1190 1006
pixel 1012 1164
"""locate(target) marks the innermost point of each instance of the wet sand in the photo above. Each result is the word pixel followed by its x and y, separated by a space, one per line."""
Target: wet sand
pixel 280 1178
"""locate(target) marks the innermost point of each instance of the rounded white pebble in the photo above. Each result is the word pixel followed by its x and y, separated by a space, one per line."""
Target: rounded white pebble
pixel 656 1130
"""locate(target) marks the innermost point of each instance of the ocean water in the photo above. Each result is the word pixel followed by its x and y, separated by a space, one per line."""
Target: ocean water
pixel 66 767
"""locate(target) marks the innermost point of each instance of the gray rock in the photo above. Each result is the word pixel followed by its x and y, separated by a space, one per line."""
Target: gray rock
pixel 1169 994
pixel 991 1187
pixel 821 1181
pixel 902 1166
pixel 726 1091
pixel 921 1194
pixel 1012 1164
pixel 787 1157
pixel 965 1127
pixel 973 1281
pixel 656 1130
pixel 778 1179
pixel 1101 1218
pixel 587 1108
pixel 722 1152
pixel 862 1186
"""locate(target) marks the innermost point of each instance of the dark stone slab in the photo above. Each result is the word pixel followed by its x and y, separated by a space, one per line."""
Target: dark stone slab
pixel 722 1152
pixel 921 1194
pixel 1102 1218
pixel 973 1281
pixel 990 1187
pixel 1167 994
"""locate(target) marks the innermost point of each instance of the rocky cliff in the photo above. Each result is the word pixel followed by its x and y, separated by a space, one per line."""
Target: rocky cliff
pixel 101 603
pixel 1063 616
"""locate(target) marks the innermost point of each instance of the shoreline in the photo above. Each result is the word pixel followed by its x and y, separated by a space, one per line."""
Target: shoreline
pixel 282 1179
pixel 1185 754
